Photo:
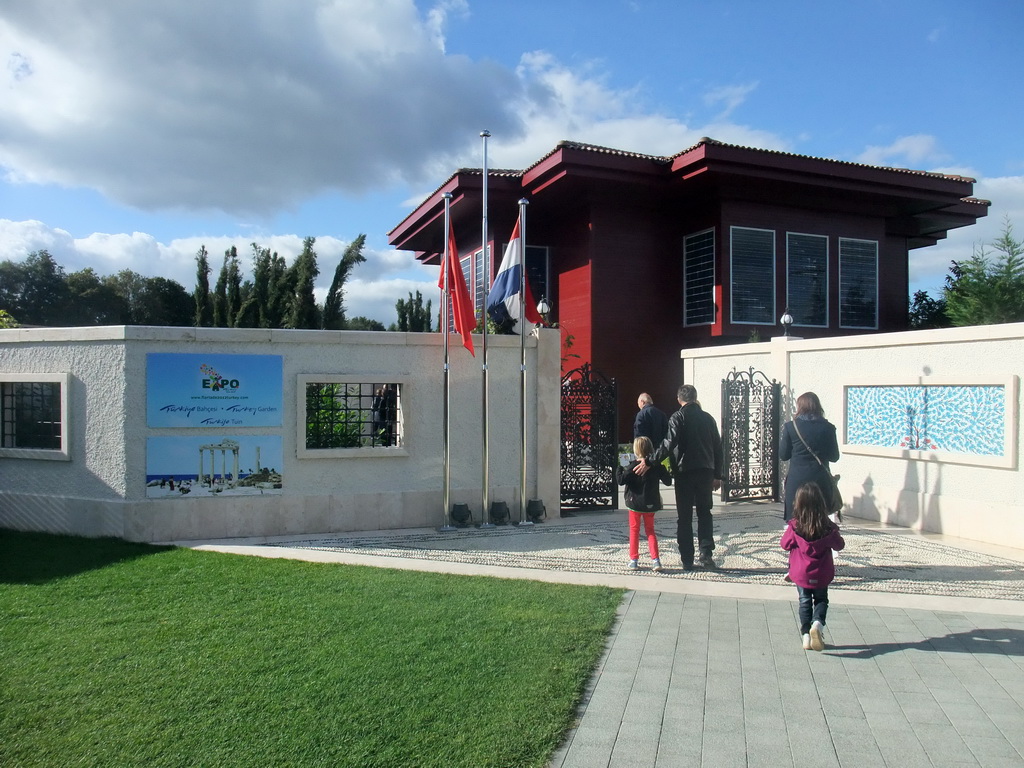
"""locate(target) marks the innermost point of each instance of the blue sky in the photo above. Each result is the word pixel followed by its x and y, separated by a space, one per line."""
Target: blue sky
pixel 132 133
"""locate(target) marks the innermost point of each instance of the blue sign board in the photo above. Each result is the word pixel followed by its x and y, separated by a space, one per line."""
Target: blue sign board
pixel 213 390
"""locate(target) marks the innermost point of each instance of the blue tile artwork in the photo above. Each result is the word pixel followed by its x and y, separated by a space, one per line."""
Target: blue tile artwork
pixel 960 419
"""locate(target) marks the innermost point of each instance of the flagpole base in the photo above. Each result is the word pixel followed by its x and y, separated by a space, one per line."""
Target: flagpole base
pixel 487 525
pixel 447 529
pixel 525 523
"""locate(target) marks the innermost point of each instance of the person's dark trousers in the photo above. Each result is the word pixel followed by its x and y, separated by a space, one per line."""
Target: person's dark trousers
pixel 694 489
pixel 813 607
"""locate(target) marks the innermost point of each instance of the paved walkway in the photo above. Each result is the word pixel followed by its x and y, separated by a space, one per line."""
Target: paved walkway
pixel 924 664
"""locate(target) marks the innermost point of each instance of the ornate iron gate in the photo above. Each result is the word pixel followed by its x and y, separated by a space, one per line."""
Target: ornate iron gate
pixel 750 436
pixel 589 439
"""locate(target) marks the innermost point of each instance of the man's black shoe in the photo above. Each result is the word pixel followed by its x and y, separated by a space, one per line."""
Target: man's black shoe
pixel 706 561
pixel 687 566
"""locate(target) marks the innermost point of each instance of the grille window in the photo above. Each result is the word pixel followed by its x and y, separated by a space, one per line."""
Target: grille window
pixel 699 278
pixel 752 273
pixel 353 415
pixel 807 279
pixel 33 416
pixel 858 283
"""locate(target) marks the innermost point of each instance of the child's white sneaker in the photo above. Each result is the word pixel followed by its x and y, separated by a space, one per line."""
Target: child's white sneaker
pixel 817 634
pixel 633 565
pixel 807 642
pixel 657 564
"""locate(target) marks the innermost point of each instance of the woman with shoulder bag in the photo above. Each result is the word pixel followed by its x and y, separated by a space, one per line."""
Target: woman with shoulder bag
pixel 809 443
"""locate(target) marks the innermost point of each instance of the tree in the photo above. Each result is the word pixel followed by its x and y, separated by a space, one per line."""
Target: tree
pixel 988 288
pixel 165 302
pixel 94 300
pixel 360 323
pixel 152 300
pixel 926 312
pixel 412 315
pixel 35 290
pixel 203 306
pixel 131 287
pixel 6 321
pixel 334 305
pixel 304 312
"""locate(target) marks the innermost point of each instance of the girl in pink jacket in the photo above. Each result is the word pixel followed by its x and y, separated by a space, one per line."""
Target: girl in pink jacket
pixel 810 538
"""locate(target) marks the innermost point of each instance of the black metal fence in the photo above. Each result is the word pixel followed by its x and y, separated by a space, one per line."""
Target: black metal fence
pixel 750 436
pixel 589 440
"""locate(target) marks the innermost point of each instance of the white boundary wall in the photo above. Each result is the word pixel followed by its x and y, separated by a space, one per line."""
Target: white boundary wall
pixel 100 490
pixel 966 496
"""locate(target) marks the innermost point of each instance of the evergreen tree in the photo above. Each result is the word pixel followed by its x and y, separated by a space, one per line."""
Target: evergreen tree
pixel 203 316
pixel 220 296
pixel 988 288
pixel 304 311
pixel 412 315
pixel 334 304
pixel 280 290
pixel 234 287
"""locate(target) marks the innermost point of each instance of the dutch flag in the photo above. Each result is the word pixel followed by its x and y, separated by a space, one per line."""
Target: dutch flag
pixel 503 300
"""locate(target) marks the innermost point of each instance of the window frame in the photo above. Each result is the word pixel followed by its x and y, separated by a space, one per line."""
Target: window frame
pixel 789 298
pixel 49 454
pixel 303 379
pixel 714 274
pixel 877 258
pixel 771 320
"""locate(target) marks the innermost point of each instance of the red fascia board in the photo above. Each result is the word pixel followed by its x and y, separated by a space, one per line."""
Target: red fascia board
pixel 590 164
pixel 423 215
pixel 785 167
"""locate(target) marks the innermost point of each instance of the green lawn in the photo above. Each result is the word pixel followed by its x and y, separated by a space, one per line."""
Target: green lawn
pixel 118 654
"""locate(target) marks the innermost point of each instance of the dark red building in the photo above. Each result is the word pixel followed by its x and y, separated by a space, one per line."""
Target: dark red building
pixel 640 256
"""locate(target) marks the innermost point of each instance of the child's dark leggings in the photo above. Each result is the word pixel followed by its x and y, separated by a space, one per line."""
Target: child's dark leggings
pixel 813 607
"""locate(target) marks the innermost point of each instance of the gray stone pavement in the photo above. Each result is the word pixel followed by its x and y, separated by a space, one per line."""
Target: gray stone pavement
pixel 924 663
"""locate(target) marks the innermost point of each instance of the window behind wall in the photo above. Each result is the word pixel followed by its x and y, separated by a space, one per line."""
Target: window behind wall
pixel 33 412
pixel 699 278
pixel 342 413
pixel 537 266
pixel 807 279
pixel 479 284
pixel 858 283
pixel 752 270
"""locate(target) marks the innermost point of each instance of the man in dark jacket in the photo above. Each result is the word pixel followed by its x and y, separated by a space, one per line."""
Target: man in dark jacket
pixel 650 422
pixel 694 449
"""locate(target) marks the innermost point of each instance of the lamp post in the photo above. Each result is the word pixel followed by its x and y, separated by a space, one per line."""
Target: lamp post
pixel 786 320
pixel 543 307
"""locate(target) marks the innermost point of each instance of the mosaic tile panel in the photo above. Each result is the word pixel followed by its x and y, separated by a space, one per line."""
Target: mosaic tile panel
pixel 955 418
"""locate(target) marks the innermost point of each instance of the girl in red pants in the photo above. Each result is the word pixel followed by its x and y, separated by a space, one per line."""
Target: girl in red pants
pixel 643 498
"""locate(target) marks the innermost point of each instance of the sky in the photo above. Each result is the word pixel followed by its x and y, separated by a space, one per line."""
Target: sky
pixel 133 133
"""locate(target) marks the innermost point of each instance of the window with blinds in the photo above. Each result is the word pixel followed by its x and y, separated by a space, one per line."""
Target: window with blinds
pixel 807 279
pixel 858 283
pixel 478 286
pixel 699 278
pixel 752 270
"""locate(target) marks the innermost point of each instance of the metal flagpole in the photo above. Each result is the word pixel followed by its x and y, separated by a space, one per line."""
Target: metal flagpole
pixel 485 514
pixel 523 202
pixel 446 303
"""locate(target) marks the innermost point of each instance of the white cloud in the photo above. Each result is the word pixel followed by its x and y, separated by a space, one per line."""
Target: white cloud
pixel 241 106
pixel 911 151
pixel 730 97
